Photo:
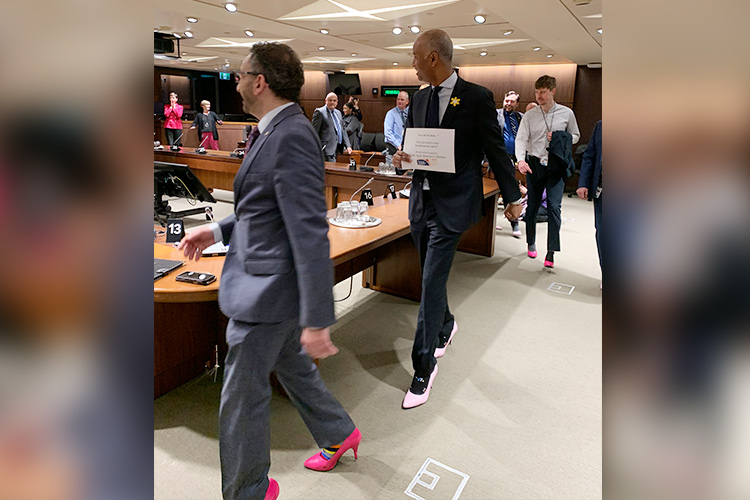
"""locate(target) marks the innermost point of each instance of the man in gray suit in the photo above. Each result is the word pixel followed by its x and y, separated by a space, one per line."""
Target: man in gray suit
pixel 327 122
pixel 276 285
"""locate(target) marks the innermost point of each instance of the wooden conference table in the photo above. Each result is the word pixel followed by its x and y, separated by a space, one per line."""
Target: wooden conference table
pixel 188 324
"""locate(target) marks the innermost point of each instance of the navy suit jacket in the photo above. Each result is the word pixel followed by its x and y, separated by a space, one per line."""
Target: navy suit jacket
pixel 278 265
pixel 458 197
pixel 591 166
pixel 322 124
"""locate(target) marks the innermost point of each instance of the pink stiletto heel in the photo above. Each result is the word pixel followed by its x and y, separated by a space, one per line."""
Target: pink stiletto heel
pixel 318 463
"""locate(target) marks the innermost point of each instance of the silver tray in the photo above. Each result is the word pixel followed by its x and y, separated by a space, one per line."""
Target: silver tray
pixel 355 224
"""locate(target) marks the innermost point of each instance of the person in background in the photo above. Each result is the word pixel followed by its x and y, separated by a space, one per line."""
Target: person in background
pixel 351 125
pixel 356 111
pixel 444 205
pixel 531 106
pixel 206 122
pixel 590 182
pixel 509 120
pixel 535 137
pixel 173 123
pixel 327 122
pixel 277 283
pixel 395 122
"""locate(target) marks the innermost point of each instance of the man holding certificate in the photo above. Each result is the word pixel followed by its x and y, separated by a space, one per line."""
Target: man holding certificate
pixel 451 126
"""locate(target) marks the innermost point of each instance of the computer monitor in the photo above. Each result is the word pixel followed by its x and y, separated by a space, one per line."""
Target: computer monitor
pixel 344 83
pixel 174 179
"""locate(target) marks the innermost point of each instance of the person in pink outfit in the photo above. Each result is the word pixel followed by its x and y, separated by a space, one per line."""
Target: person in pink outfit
pixel 173 124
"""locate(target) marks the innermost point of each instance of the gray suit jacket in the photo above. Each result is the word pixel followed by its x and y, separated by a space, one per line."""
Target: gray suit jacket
pixel 278 266
pixel 322 124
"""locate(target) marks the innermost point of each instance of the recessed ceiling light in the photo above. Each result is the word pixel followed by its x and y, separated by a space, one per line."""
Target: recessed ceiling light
pixel 249 33
pixel 192 19
pixel 483 53
pixel 189 34
pixel 226 65
pixel 415 29
pixel 599 31
pixel 230 7
pixel 536 49
pixel 354 54
pixel 396 30
pixel 508 32
pixel 325 32
pixel 321 48
pixel 479 18
pixel 395 64
pixel 549 55
pixel 184 53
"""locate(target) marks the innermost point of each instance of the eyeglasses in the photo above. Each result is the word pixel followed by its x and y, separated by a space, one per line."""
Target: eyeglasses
pixel 238 74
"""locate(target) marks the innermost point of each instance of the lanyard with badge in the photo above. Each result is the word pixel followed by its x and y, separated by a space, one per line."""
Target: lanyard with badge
pixel 548 126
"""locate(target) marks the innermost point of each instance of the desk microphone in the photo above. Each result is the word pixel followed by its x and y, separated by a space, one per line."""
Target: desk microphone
pixel 200 149
pixel 365 168
pixel 404 193
pixel 174 146
pixel 360 189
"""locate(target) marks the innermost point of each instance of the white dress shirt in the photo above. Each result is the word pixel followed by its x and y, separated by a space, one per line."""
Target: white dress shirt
pixel 532 133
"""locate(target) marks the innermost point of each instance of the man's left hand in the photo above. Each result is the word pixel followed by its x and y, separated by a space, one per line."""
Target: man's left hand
pixel 348 151
pixel 513 212
pixel 317 342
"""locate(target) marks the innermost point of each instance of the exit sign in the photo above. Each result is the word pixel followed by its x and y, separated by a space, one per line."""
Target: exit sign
pixel 224 76
pixel 392 90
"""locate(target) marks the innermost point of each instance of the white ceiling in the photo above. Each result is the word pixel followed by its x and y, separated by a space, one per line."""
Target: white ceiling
pixel 564 30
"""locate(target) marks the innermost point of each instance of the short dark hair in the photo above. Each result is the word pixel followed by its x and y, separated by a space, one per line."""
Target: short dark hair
pixel 545 82
pixel 280 66
pixel 349 105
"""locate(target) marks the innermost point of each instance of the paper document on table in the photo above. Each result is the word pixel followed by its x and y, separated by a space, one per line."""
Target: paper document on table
pixel 430 149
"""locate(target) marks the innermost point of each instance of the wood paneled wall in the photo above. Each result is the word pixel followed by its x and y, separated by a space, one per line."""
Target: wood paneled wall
pixel 587 103
pixel 499 79
pixel 578 87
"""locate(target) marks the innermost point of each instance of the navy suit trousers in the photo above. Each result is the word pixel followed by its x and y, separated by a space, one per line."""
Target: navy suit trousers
pixel 437 247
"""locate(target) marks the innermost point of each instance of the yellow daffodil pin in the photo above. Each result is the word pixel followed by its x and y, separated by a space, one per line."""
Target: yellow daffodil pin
pixel 455 101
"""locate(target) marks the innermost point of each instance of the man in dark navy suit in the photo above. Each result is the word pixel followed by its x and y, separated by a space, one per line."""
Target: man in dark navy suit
pixel 590 183
pixel 442 205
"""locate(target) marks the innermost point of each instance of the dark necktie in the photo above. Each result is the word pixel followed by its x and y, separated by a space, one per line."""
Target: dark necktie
pixel 433 109
pixel 254 133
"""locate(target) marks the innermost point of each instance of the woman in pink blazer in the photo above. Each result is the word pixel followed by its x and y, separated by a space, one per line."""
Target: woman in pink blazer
pixel 173 125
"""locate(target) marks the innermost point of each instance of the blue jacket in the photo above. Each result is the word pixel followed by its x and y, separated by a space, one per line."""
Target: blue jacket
pixel 591 166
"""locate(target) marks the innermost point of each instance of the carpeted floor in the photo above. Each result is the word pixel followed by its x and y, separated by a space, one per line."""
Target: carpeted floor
pixel 516 408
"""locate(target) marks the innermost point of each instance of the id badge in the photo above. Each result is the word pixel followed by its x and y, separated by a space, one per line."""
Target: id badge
pixel 543 161
pixel 598 192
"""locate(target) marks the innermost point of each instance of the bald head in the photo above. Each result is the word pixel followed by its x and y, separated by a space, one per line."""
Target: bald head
pixel 332 100
pixel 439 42
pixel 433 56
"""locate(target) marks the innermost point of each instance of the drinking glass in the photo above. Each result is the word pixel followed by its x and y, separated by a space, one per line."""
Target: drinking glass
pixel 347 211
pixel 363 208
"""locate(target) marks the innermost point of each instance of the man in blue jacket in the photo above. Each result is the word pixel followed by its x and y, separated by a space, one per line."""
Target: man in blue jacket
pixel 590 183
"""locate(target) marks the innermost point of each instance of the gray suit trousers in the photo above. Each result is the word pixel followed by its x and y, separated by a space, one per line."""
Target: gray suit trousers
pixel 255 350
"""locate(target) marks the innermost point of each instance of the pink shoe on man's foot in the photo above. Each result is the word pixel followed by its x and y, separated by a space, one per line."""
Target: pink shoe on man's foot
pixel 440 351
pixel 532 254
pixel 319 463
pixel 272 493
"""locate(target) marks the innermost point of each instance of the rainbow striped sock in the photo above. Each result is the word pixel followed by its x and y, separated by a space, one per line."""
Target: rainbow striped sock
pixel 329 451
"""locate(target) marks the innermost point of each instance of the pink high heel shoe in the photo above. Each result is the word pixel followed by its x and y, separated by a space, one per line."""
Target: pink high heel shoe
pixel 532 254
pixel 272 493
pixel 440 352
pixel 549 264
pixel 317 462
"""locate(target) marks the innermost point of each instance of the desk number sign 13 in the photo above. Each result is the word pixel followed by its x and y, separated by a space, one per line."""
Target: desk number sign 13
pixel 175 230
